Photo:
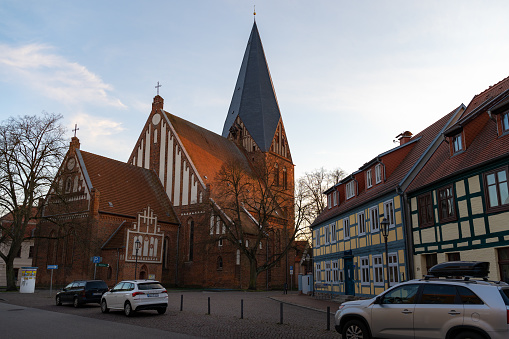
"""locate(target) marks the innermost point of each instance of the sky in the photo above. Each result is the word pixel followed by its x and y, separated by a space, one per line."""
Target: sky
pixel 349 75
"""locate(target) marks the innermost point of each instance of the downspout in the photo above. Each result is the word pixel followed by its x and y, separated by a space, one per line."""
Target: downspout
pixel 409 234
pixel 177 258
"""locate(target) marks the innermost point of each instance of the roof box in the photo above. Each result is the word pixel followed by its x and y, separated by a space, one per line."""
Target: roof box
pixel 477 269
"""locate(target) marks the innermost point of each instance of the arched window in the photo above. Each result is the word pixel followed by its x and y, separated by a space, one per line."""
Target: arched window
pixel 52 248
pixel 68 185
pixel 69 255
pixel 165 252
pixel 191 239
pixel 219 263
pixel 285 179
pixel 276 175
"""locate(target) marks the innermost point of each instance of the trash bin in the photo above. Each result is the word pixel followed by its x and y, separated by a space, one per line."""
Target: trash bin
pixel 28 275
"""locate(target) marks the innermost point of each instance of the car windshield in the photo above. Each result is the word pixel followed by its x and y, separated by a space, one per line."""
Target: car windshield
pixel 150 286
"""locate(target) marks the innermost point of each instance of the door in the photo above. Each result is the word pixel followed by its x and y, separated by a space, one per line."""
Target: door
pixel 114 298
pixel 393 317
pixel 349 277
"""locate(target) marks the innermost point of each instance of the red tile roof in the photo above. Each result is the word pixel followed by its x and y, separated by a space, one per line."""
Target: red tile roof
pixel 31 223
pixel 486 96
pixel 421 142
pixel 128 188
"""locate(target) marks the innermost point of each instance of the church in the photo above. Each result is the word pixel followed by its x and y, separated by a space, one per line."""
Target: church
pixel 161 215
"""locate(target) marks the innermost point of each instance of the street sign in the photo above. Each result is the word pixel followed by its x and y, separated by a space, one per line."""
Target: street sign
pixel 291 269
pixel 103 265
pixel 96 260
pixel 52 267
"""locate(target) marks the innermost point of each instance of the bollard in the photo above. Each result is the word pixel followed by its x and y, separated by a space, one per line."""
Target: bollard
pixel 241 308
pixel 209 306
pixel 281 314
pixel 328 318
pixel 181 302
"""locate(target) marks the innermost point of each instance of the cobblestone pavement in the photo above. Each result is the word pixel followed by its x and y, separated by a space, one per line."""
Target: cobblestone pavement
pixel 303 316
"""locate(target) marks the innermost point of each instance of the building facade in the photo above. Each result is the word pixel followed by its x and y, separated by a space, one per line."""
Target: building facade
pixel 459 202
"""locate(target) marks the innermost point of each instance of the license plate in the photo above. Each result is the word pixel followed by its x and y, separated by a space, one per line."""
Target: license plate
pixel 153 295
pixel 98 293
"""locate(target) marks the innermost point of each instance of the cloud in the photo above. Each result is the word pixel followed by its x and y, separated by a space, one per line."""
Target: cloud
pixel 54 76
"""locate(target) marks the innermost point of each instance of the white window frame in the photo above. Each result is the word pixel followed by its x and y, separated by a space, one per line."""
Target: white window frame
pixel 393 268
pixel 350 189
pixel 378 270
pixel 374 220
pixel 505 122
pixel 335 271
pixel 327 234
pixel 369 179
pixel 346 228
pixel 328 278
pixel 389 212
pixel 333 233
pixel 318 270
pixel 364 268
pixel 378 173
pixel 317 238
pixel 457 143
pixel 361 223
pixel 329 200
pixel 335 198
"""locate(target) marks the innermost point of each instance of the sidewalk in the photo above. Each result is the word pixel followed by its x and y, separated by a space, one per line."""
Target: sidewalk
pixel 310 302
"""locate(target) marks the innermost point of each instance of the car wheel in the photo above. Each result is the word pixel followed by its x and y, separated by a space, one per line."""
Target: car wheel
pixel 76 302
pixel 58 301
pixel 469 335
pixel 128 310
pixel 104 307
pixel 355 329
pixel 161 310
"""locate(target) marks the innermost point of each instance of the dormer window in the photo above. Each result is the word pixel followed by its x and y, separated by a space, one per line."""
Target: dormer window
pixel 369 179
pixel 350 189
pixel 335 198
pixel 457 144
pixel 505 122
pixel 329 200
pixel 378 173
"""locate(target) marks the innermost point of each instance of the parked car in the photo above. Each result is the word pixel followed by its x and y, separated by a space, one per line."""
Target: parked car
pixel 432 307
pixel 81 292
pixel 135 295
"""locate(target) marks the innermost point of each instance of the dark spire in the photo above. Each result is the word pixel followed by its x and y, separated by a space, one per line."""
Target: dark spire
pixel 254 99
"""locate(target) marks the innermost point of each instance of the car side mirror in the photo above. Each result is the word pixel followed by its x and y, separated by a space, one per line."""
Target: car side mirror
pixel 378 300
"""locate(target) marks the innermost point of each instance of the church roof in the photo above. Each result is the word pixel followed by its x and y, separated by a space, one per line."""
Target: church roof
pixel 254 99
pixel 126 189
pixel 207 150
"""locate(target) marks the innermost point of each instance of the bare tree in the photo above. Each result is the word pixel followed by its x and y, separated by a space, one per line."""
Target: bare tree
pixel 31 151
pixel 309 198
pixel 255 206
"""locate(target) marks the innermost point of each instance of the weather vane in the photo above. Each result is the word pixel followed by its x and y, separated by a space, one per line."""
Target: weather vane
pixel 75 129
pixel 158 87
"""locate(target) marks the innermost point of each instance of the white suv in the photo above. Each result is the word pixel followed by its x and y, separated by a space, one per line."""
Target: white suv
pixel 432 308
pixel 135 295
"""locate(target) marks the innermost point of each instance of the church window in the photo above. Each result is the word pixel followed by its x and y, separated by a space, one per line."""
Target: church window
pixel 68 185
pixel 52 248
pixel 237 259
pixel 220 243
pixel 285 179
pixel 200 199
pixel 276 175
pixel 191 239
pixel 219 263
pixel 110 271
pixel 165 252
pixel 212 218
pixel 75 184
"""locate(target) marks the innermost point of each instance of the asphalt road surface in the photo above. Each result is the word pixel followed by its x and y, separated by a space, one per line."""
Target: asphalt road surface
pixel 37 316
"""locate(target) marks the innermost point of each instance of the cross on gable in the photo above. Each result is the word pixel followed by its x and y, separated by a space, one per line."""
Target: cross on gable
pixel 75 129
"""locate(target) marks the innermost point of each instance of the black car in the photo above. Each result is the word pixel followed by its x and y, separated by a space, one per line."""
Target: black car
pixel 82 292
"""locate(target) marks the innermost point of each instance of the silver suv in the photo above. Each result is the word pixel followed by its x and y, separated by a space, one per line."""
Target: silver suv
pixel 432 308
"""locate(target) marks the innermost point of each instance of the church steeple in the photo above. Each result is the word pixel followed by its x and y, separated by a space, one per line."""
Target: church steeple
pixel 254 99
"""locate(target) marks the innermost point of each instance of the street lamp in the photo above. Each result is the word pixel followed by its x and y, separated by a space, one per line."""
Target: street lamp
pixel 385 233
pixel 137 245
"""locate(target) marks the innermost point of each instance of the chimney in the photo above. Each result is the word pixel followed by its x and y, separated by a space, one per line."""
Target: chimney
pixel 404 137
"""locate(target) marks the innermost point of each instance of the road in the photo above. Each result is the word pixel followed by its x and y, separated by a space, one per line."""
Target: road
pixel 39 315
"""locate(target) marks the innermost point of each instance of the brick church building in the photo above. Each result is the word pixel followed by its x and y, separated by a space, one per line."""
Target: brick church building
pixel 167 198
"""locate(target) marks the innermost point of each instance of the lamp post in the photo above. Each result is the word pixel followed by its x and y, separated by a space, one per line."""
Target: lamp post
pixel 137 245
pixel 385 233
